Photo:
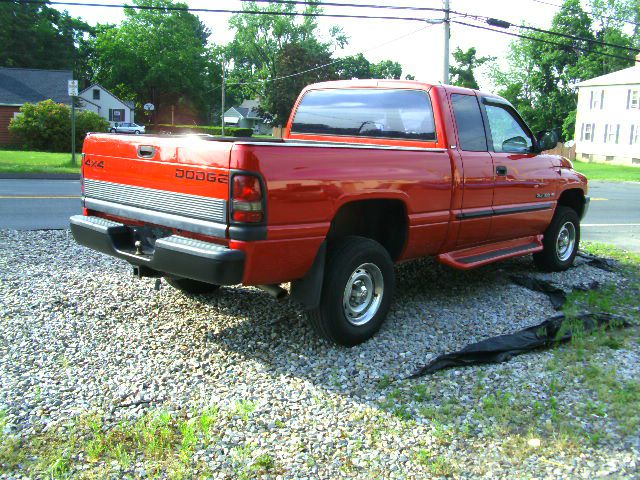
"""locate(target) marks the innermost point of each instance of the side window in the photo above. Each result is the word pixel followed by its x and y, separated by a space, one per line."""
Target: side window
pixel 506 132
pixel 469 121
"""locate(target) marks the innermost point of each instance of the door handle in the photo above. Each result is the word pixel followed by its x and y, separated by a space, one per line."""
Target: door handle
pixel 501 170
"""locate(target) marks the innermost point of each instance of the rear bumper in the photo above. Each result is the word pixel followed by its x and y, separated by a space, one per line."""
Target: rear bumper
pixel 174 255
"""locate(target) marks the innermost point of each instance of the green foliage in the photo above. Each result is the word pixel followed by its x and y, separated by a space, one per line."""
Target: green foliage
pixel 463 73
pixel 281 94
pixel 46 126
pixel 541 78
pixel 38 36
pixel 357 66
pixel 158 56
pixel 185 129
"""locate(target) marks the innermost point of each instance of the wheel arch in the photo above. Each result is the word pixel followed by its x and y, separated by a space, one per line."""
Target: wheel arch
pixel 575 199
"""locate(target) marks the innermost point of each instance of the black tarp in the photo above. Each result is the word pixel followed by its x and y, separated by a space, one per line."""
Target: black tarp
pixel 501 348
pixel 553 330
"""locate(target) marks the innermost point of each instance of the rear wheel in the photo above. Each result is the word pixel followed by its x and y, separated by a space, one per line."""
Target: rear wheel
pixel 187 285
pixel 561 241
pixel 113 130
pixel 356 292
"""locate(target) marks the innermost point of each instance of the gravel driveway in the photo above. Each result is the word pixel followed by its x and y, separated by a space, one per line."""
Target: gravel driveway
pixel 79 335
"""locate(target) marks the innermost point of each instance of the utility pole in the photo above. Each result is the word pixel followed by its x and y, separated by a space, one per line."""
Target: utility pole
pixel 222 103
pixel 447 24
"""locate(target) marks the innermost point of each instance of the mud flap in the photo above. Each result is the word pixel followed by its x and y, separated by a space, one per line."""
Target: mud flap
pixel 308 289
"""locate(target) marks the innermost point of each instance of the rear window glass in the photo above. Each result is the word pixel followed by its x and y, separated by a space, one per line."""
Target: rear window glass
pixel 377 113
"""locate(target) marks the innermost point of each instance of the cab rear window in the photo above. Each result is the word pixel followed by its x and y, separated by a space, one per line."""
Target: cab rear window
pixel 376 113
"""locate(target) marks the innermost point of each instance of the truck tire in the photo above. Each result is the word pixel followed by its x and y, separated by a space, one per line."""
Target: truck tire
pixel 356 292
pixel 189 286
pixel 561 241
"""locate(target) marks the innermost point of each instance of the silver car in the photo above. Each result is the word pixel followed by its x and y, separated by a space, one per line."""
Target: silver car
pixel 125 127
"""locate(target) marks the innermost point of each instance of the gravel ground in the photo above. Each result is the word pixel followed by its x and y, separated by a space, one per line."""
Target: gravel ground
pixel 79 334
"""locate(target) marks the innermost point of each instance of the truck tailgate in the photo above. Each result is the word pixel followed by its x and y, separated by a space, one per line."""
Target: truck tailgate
pixel 179 182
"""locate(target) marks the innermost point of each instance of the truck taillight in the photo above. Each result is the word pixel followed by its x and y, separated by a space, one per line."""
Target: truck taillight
pixel 246 199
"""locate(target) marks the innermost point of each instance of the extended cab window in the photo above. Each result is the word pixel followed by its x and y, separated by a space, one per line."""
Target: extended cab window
pixel 378 113
pixel 469 121
pixel 507 133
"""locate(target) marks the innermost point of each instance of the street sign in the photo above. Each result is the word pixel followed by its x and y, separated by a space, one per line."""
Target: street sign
pixel 149 107
pixel 73 88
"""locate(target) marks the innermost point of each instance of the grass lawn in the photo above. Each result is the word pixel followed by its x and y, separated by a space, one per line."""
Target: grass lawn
pixel 611 173
pixel 37 162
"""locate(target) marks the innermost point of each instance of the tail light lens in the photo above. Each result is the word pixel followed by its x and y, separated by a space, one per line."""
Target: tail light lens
pixel 246 199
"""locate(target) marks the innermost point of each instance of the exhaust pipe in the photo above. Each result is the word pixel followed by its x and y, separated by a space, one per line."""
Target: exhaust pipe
pixel 275 290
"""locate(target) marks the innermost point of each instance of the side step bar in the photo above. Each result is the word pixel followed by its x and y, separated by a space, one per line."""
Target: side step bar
pixel 477 256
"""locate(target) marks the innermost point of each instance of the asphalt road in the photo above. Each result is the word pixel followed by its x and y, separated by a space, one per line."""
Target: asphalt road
pixel 614 215
pixel 38 204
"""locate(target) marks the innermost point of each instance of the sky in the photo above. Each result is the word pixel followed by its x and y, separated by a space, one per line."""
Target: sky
pixel 417 46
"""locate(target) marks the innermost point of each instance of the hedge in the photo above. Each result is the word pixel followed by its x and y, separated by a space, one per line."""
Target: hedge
pixel 46 126
pixel 228 131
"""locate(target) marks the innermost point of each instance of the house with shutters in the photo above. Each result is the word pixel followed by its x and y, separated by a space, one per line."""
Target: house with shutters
pixel 28 85
pixel 608 118
pixel 98 99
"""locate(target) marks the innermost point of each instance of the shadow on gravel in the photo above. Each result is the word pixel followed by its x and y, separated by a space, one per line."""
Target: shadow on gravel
pixel 436 310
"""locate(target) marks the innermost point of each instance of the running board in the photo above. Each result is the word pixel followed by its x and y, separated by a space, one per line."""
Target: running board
pixel 482 255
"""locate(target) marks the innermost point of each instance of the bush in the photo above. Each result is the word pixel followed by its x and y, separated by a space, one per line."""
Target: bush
pixel 46 126
pixel 185 129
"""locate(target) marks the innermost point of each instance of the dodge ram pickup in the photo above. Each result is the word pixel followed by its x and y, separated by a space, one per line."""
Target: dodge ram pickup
pixel 368 173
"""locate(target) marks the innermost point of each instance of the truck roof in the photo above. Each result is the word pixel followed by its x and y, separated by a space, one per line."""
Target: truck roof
pixel 372 83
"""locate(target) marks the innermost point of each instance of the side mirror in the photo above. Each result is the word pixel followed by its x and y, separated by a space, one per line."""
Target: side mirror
pixel 547 139
pixel 515 145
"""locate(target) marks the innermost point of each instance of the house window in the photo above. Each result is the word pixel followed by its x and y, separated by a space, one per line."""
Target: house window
pixel 611 133
pixel 634 139
pixel 586 156
pixel 588 132
pixel 96 94
pixel 116 115
pixel 635 161
pixel 596 101
pixel 609 158
pixel 633 99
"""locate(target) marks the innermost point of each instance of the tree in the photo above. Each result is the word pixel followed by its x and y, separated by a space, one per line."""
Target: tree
pixel 261 50
pixel 38 36
pixel 290 60
pixel 386 69
pixel 158 56
pixel 357 66
pixel 463 73
pixel 541 78
pixel 46 126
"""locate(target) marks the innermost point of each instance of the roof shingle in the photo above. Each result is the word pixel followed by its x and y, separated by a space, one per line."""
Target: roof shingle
pixel 22 85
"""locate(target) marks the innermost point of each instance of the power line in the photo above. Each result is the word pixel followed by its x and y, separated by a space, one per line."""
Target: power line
pixel 340 60
pixel 221 10
pixel 563 45
pixel 591 14
pixel 495 22
pixel 503 24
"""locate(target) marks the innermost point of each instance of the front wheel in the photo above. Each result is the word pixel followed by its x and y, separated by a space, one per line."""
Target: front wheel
pixel 137 132
pixel 192 287
pixel 356 292
pixel 561 241
pixel 113 130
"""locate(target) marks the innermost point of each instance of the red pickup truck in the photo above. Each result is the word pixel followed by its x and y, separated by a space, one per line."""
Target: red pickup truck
pixel 368 173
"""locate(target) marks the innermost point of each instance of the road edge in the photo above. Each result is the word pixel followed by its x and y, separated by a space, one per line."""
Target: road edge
pixel 40 176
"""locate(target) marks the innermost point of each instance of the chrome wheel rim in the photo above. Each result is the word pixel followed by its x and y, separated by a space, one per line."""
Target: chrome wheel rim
pixel 566 241
pixel 363 294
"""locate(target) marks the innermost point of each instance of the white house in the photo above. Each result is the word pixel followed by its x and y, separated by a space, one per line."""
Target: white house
pixel 246 115
pixel 98 99
pixel 608 118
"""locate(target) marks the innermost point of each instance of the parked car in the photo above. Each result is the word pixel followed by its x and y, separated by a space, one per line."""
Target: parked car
pixel 127 127
pixel 369 173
